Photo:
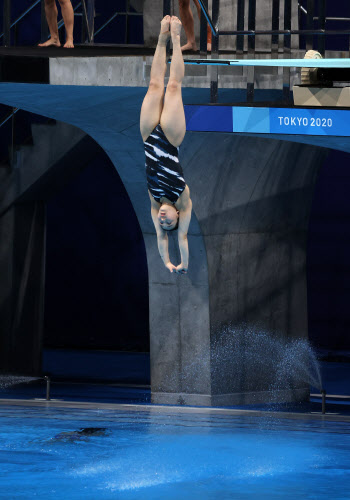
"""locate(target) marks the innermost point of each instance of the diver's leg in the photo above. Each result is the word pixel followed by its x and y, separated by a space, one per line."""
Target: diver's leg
pixel 172 119
pixel 153 102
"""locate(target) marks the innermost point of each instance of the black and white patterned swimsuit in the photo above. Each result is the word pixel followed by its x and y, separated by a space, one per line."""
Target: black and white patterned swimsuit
pixel 163 170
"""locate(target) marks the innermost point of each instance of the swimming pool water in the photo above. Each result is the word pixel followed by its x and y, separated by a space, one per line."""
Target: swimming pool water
pixel 152 455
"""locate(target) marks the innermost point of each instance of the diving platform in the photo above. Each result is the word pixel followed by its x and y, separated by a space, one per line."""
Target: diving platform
pixel 129 66
pixel 276 63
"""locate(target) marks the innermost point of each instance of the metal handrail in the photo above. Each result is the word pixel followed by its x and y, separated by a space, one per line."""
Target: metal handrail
pixel 89 28
pixel 113 17
pixel 48 387
pixel 14 111
pixel 109 21
pixel 273 32
pixel 284 32
pixel 302 9
pixel 208 18
pixel 22 15
pixel 316 18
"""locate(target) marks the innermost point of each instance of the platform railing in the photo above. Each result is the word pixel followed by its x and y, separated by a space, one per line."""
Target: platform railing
pixel 246 14
pixel 88 18
pixel 8 24
pixel 7 19
pixel 8 117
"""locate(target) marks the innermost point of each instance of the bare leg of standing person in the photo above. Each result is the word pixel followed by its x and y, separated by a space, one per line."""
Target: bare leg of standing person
pixel 51 18
pixel 188 24
pixel 68 18
pixel 199 10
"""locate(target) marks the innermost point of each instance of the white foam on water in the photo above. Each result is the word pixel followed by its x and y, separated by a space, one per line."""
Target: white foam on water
pixel 236 456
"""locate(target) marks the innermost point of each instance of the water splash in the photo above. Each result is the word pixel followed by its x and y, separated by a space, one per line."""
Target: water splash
pixel 7 381
pixel 296 365
pixel 252 360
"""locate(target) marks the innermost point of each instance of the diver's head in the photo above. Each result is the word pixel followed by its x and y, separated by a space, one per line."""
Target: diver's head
pixel 168 217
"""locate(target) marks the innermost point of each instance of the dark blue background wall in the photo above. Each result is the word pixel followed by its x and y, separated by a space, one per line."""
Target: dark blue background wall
pixel 96 271
pixel 328 255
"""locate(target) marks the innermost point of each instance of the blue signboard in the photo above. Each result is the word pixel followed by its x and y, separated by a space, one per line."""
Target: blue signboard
pixel 290 121
pixel 209 118
pixel 309 121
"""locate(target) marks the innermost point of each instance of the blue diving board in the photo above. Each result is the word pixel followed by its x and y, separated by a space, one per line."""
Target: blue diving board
pixel 259 120
pixel 284 63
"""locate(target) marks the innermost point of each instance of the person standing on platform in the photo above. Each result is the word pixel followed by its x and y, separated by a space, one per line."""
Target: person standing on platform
pixel 188 24
pixel 163 128
pixel 51 17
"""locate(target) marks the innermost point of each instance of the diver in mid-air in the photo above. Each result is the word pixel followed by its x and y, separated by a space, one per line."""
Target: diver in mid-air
pixel 163 128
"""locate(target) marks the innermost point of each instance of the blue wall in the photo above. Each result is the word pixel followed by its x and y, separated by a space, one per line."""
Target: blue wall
pixel 329 256
pixel 96 272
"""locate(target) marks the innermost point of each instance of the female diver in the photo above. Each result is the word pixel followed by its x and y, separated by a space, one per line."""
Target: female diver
pixel 163 128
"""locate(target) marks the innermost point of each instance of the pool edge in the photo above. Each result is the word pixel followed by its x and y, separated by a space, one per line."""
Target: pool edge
pixel 152 408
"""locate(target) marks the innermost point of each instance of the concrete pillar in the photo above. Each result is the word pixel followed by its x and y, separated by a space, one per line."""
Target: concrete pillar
pixel 179 324
pixel 252 199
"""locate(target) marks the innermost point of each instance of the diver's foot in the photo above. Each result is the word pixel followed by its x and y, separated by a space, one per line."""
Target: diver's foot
pixel 164 34
pixel 175 28
pixel 209 47
pixel 52 42
pixel 189 46
pixel 69 44
pixel 309 75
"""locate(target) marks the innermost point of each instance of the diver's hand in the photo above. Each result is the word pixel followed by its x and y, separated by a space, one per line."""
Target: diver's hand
pixel 171 267
pixel 181 269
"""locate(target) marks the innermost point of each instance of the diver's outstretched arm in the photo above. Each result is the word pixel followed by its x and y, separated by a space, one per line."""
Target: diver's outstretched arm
pixel 184 222
pixel 162 239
